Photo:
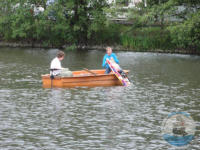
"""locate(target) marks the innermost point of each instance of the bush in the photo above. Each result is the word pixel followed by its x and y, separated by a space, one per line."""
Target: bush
pixel 63 22
pixel 146 38
pixel 107 34
pixel 187 34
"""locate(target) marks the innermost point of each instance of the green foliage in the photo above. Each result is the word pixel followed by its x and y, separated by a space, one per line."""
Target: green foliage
pixel 64 22
pixel 71 48
pixel 178 19
pixel 187 34
pixel 156 12
pixel 147 38
pixel 108 33
pixel 157 24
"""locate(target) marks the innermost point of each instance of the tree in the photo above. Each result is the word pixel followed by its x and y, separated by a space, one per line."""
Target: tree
pixel 178 18
pixel 65 21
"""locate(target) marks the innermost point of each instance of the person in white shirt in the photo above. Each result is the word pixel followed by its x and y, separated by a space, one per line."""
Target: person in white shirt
pixel 55 67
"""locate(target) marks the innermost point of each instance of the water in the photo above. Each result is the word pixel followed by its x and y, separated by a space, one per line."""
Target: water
pixel 95 118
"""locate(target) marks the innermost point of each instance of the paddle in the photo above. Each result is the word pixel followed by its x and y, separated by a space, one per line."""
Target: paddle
pixel 90 71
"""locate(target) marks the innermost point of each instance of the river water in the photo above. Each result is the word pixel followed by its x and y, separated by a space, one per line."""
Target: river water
pixel 101 118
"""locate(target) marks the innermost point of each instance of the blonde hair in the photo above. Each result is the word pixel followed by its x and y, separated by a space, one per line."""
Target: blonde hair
pixel 108 47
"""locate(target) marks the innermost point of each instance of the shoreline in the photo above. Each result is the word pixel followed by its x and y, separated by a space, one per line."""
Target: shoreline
pixel 96 47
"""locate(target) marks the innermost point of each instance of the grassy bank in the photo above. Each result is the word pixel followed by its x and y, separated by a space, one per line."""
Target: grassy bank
pixel 71 24
pixel 120 37
pixel 96 47
pixel 147 38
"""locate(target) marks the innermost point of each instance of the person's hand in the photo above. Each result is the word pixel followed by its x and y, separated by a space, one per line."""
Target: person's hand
pixel 112 59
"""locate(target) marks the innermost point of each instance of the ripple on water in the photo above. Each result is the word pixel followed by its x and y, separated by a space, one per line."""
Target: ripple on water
pixel 95 118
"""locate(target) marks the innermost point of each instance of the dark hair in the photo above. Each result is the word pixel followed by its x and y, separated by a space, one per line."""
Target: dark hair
pixel 60 54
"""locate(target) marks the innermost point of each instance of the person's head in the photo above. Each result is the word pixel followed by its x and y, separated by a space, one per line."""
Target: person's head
pixel 60 55
pixel 109 50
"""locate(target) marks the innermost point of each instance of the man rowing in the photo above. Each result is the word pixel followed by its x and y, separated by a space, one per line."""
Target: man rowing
pixel 109 55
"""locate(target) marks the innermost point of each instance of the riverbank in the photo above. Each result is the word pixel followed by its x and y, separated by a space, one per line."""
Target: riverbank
pixel 96 47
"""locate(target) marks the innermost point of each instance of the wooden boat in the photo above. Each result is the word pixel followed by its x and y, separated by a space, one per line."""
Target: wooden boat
pixel 82 78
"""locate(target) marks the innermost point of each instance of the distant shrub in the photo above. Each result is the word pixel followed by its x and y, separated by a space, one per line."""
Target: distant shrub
pixel 187 34
pixel 146 38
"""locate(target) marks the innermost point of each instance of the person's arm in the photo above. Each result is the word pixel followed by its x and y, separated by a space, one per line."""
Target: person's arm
pixel 115 58
pixel 104 62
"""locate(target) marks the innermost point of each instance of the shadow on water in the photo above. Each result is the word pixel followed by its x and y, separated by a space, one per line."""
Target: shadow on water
pixel 94 118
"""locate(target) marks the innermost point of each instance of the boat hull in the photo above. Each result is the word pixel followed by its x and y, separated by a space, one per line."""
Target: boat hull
pixel 82 79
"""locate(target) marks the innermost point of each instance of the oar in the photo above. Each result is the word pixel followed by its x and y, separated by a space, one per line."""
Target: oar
pixel 90 71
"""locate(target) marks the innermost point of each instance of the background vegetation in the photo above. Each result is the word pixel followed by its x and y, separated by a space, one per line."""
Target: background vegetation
pixel 166 24
pixel 153 24
pixel 62 22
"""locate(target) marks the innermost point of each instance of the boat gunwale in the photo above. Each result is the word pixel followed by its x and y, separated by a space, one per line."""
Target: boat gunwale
pixel 45 76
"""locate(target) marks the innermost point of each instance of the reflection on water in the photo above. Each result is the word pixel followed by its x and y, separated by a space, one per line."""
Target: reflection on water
pixel 94 118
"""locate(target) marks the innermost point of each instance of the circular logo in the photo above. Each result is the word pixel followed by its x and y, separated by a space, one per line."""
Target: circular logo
pixel 178 128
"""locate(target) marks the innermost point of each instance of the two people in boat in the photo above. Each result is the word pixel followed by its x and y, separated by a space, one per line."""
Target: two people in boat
pixel 56 69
